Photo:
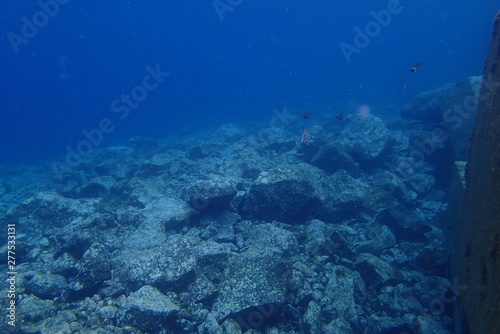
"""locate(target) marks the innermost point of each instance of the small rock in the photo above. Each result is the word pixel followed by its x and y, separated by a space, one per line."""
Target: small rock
pixel 147 309
pixel 95 266
pixel 46 285
pixel 311 321
pixel 34 309
pixel 376 272
pixel 108 312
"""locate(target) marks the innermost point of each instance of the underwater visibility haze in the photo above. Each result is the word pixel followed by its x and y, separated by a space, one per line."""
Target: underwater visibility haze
pixel 228 63
pixel 232 166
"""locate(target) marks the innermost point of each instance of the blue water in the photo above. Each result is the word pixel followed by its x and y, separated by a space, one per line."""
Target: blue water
pixel 226 66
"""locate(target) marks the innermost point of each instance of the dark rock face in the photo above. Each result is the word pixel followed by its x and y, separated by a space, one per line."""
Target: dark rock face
pixel 441 104
pixel 434 259
pixel 426 106
pixel 451 107
pixel 95 266
pixel 479 236
pixel 76 237
pixel 405 225
pixel 281 194
pixel 331 158
pixel 46 286
pixel 376 272
pixel 427 290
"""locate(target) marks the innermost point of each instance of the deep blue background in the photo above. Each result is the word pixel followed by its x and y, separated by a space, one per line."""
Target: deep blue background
pixel 264 54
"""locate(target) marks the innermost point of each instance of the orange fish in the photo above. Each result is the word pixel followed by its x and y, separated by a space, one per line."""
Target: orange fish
pixel 305 137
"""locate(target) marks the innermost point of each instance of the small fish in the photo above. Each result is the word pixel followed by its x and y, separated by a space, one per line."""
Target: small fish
pixel 340 116
pixel 305 136
pixel 413 69
pixel 404 85
pixel 307 114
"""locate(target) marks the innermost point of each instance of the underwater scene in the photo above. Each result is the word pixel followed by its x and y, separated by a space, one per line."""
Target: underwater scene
pixel 231 166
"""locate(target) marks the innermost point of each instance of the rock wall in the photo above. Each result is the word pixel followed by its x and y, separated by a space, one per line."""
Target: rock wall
pixel 451 107
pixel 479 235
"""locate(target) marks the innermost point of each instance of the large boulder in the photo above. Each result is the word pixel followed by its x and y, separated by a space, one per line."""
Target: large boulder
pixel 399 299
pixel 377 324
pixel 376 272
pixel 453 107
pixel 157 217
pixel 48 210
pixel 253 279
pixel 147 309
pixel 404 223
pixel 363 238
pixel 432 288
pixel 77 236
pixel 342 196
pixel 311 322
pixel 268 236
pixel 340 294
pixel 45 285
pixel 32 308
pixel 95 266
pixel 331 157
pixel 437 105
pixel 426 105
pixel 213 194
pixel 283 194
pixel 365 138
pixel 171 264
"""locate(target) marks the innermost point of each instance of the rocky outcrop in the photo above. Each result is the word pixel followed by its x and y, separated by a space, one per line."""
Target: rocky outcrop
pixel 331 158
pixel 365 138
pixel 283 194
pixel 44 206
pixel 268 275
pixel 451 107
pixel 377 272
pixel 214 194
pixel 236 234
pixel 95 266
pixel 147 309
pixel 342 196
pixel 167 265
